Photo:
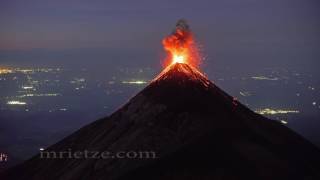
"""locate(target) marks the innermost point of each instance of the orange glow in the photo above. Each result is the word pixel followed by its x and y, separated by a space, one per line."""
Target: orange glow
pixel 5 71
pixel 178 58
pixel 180 46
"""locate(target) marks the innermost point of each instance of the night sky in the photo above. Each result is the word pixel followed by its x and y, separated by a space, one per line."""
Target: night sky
pixel 244 34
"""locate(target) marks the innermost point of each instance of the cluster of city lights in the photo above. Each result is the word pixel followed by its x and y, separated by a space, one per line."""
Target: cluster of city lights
pixel 5 71
pixel 268 111
pixel 16 103
pixel 134 82
pixel 264 78
pixel 27 70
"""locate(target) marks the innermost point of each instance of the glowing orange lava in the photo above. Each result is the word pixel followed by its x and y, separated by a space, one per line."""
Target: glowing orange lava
pixel 180 46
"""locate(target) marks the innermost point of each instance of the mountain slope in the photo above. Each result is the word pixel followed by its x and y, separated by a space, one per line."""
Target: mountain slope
pixel 196 130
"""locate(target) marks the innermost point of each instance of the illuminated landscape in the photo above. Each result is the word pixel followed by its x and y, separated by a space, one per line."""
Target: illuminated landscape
pixel 51 96
pixel 202 112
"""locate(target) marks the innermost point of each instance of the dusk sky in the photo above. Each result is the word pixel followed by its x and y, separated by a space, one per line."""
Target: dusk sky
pixel 244 34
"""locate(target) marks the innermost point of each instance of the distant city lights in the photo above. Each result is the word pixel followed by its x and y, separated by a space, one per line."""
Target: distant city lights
pixel 27 87
pixel 264 78
pixel 16 103
pixel 311 88
pixel 245 93
pixel 5 71
pixel 78 81
pixel 134 82
pixel 275 111
pixel 39 95
pixel 31 83
pixel 28 70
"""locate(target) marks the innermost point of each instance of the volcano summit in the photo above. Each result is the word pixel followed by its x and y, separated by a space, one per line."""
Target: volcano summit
pixel 196 130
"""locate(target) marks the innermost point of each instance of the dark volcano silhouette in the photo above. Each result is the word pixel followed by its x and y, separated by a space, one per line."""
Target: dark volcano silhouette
pixel 196 130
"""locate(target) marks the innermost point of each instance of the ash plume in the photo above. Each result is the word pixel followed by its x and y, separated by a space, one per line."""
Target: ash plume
pixel 181 46
pixel 182 32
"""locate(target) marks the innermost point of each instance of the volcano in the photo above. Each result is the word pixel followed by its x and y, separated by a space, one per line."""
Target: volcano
pixel 196 130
